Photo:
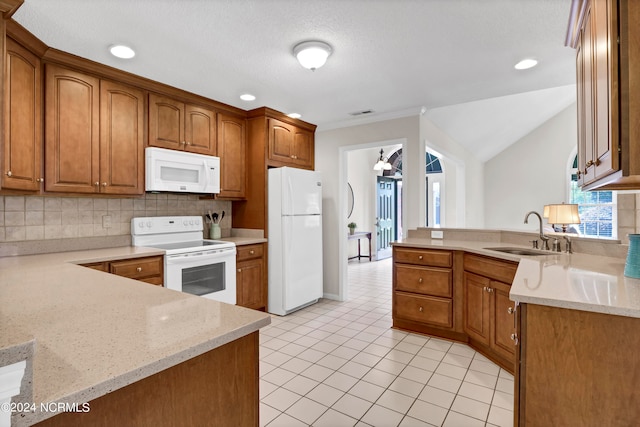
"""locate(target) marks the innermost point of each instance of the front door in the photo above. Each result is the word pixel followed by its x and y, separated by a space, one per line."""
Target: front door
pixel 386 215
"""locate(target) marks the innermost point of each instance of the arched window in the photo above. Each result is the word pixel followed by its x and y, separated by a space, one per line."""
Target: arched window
pixel 598 210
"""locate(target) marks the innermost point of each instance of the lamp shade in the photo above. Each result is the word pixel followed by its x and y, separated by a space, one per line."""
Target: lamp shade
pixel 545 212
pixel 563 214
pixel 312 54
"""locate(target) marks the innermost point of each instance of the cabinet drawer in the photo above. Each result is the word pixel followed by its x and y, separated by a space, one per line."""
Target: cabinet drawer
pixel 424 280
pixel 433 258
pixel 432 310
pixel 101 266
pixel 137 268
pixel 504 271
pixel 154 280
pixel 249 252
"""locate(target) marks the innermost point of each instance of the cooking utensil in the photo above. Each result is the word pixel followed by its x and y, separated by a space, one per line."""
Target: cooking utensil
pixel 215 217
pixel 222 216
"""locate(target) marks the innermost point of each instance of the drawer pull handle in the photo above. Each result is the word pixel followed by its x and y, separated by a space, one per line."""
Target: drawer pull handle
pixel 251 252
pixel 239 270
pixel 9 173
pixel 510 310
pixel 420 309
pixel 420 280
pixel 514 338
pixel 487 289
pixel 139 269
pixel 420 257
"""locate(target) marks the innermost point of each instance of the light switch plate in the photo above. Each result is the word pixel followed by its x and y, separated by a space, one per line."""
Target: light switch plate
pixel 437 234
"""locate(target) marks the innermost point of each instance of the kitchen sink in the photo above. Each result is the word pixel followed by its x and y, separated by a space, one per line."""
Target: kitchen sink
pixel 519 251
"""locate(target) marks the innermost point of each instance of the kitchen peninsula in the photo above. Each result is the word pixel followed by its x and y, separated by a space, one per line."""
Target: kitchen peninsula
pixel 573 320
pixel 138 353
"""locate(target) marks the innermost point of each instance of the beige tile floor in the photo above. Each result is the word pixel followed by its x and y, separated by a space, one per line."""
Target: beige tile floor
pixel 340 364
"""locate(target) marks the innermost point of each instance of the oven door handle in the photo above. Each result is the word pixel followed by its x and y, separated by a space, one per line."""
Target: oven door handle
pixel 191 256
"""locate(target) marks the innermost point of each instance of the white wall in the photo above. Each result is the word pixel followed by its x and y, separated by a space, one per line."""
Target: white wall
pixel 331 147
pixel 530 173
pixel 463 195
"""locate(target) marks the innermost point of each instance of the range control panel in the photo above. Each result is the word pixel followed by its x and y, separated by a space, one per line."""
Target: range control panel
pixel 165 224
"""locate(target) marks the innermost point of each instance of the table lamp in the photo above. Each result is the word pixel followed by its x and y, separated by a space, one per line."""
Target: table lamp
pixel 563 214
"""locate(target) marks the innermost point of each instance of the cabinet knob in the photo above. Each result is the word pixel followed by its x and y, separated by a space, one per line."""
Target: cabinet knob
pixel 251 252
pixel 589 164
pixel 39 179
pixel 9 173
pixel 420 280
pixel 514 338
pixel 420 257
pixel 187 143
pixel 485 288
pixel 96 183
pixel 183 143
pixel 420 309
pixel 239 270
pixel 510 310
pixel 104 184
pixel 139 269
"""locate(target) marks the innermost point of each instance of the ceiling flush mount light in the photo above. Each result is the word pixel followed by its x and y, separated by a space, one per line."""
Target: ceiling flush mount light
pixel 312 54
pixel 247 97
pixel 122 51
pixel 294 115
pixel 382 163
pixel 525 64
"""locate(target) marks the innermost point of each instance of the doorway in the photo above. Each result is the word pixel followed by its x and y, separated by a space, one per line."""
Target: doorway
pixel 386 195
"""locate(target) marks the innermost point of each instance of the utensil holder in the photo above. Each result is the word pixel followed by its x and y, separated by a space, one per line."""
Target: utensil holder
pixel 214 231
pixel 632 265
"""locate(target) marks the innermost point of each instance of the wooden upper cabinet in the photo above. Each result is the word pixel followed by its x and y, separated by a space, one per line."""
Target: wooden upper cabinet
pixel 121 139
pixel 200 130
pixel 94 134
pixel 232 150
pixel 23 120
pixel 166 122
pixel 289 145
pixel 72 137
pixel 179 126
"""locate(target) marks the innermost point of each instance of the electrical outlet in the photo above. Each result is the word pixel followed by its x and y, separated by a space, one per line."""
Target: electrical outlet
pixel 106 221
pixel 437 234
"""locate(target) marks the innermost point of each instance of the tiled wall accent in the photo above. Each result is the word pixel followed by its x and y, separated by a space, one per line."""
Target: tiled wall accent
pixel 28 218
pixel 628 215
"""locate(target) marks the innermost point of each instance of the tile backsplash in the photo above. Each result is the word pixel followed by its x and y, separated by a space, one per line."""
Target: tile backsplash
pixel 29 218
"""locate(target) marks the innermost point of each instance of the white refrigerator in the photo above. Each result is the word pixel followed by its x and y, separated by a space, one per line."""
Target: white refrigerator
pixel 295 239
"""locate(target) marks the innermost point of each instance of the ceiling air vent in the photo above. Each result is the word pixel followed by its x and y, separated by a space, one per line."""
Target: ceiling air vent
pixel 360 113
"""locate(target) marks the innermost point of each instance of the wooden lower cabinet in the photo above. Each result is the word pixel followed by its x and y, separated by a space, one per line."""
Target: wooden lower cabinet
pixel 489 319
pixel 146 269
pixel 251 277
pixel 458 296
pixel 217 388
pixel 576 368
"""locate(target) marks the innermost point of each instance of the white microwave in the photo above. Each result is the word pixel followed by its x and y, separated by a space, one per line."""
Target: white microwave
pixel 177 171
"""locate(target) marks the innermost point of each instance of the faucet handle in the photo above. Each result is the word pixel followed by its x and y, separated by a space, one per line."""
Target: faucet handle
pixel 534 244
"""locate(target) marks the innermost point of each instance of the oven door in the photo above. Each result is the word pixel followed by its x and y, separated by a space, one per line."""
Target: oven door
pixel 210 274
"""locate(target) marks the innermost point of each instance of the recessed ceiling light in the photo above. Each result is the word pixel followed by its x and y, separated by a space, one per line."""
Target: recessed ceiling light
pixel 294 115
pixel 247 97
pixel 526 63
pixel 122 51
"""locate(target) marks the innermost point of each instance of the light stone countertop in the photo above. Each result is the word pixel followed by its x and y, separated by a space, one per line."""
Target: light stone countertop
pixel 240 241
pixel 575 281
pixel 94 332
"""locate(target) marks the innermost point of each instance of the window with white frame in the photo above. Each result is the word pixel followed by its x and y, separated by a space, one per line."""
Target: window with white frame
pixel 598 209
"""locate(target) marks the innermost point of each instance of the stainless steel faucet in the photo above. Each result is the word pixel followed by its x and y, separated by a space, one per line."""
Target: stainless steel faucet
pixel 545 239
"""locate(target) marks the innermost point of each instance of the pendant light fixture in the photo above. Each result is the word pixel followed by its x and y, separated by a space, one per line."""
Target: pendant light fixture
pixel 312 54
pixel 382 163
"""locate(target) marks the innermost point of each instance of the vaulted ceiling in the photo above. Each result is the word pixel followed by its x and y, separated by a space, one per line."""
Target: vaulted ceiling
pixel 390 56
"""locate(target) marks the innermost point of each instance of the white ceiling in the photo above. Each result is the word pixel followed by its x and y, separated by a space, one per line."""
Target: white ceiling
pixel 390 56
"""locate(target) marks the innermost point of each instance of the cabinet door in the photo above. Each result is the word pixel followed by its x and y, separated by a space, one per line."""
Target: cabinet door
pixel 280 141
pixel 232 150
pixel 166 122
pixel 605 88
pixel 303 148
pixel 250 284
pixel 72 137
pixel 23 120
pixel 200 130
pixel 477 300
pixel 503 321
pixel 121 139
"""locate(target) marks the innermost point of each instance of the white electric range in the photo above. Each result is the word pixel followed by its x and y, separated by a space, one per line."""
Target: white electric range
pixel 191 264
